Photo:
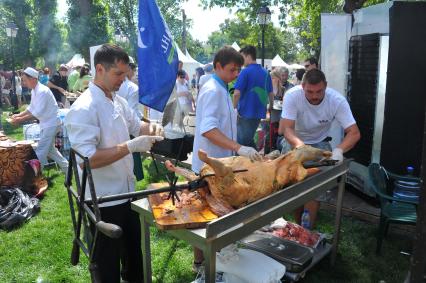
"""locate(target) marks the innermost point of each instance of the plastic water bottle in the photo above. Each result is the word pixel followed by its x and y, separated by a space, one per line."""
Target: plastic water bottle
pixel 407 190
pixel 306 220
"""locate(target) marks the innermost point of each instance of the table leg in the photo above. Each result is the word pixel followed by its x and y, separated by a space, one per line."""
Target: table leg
pixel 341 190
pixel 210 265
pixel 146 250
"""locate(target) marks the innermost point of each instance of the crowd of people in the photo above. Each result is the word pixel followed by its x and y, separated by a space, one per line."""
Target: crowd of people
pixel 230 98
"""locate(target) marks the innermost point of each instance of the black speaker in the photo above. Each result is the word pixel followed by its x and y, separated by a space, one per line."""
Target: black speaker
pixel 402 137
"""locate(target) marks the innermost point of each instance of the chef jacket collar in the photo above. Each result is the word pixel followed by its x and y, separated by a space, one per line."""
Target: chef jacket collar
pixel 97 90
pixel 220 81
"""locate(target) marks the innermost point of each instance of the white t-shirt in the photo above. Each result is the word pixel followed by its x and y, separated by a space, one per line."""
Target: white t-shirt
pixel 43 106
pixel 130 92
pixel 313 122
pixel 95 122
pixel 183 100
pixel 214 110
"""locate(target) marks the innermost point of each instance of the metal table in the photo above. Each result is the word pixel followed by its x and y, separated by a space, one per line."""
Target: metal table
pixel 244 221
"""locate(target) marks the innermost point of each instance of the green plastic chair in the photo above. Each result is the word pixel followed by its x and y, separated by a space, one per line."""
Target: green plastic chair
pixel 393 210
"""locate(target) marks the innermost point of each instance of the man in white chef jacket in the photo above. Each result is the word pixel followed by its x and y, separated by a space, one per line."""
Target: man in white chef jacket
pixel 130 91
pixel 43 107
pixel 99 124
pixel 216 118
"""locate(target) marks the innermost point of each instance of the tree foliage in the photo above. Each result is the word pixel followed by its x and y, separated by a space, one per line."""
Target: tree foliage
pixel 88 24
pixel 20 13
pixel 302 18
pixel 242 31
pixel 48 42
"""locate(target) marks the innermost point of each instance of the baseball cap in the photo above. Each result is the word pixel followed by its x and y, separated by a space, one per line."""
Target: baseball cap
pixel 63 66
pixel 31 72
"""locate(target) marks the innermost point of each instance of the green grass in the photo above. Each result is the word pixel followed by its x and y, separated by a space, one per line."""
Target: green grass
pixel 39 250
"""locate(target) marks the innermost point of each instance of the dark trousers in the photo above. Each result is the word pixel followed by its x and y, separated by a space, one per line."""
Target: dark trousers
pixel 109 251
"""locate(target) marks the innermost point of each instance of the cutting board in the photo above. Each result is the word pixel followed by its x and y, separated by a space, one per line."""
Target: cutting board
pixel 168 217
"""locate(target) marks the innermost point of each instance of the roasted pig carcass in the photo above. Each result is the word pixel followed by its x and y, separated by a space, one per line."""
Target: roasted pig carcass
pixel 228 190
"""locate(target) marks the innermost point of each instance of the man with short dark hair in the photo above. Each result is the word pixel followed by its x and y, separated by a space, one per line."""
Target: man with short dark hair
pixel 253 91
pixel 310 63
pixel 99 125
pixel 216 119
pixel 307 115
pixel 58 84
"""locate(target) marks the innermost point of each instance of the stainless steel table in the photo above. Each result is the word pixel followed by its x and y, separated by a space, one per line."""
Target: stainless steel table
pixel 244 221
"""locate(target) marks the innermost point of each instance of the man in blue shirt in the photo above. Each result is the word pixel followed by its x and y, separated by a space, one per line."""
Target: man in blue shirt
pixel 253 91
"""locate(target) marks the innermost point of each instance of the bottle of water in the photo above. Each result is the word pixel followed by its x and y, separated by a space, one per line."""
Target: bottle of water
pixel 408 190
pixel 306 220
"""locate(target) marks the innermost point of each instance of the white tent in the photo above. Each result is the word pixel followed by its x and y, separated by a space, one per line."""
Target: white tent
pixel 267 63
pixel 76 60
pixel 189 64
pixel 190 58
pixel 295 66
pixel 235 46
pixel 278 62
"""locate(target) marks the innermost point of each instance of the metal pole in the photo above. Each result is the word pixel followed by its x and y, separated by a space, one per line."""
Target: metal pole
pixel 14 99
pixel 184 31
pixel 263 45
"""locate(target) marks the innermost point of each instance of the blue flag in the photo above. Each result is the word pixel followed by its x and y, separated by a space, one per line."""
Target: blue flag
pixel 157 57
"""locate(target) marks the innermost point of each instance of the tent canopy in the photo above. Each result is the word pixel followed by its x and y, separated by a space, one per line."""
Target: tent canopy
pixel 76 60
pixel 278 62
pixel 235 46
pixel 192 60
pixel 189 63
pixel 295 66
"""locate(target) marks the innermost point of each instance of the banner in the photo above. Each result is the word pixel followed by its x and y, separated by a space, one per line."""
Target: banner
pixel 157 57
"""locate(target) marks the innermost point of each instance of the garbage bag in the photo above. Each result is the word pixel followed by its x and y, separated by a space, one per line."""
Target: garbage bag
pixel 16 207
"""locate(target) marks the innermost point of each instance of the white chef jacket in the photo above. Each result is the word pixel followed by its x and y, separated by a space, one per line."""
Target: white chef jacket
pixel 130 92
pixel 214 110
pixel 43 106
pixel 95 122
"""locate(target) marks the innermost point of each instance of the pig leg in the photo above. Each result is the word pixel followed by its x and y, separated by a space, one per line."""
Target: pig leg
pixel 187 174
pixel 220 169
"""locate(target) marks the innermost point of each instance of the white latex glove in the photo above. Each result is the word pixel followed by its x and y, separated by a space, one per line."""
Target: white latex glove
pixel 156 129
pixel 249 152
pixel 142 143
pixel 337 154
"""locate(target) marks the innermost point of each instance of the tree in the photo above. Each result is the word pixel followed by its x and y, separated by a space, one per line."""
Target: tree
pixel 48 43
pixel 88 25
pixel 303 16
pixel 19 12
pixel 244 33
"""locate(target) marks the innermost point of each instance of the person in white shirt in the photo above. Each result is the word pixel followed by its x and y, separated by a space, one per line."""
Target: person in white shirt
pixel 99 125
pixel 209 71
pixel 130 91
pixel 307 114
pixel 216 118
pixel 43 107
pixel 185 98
